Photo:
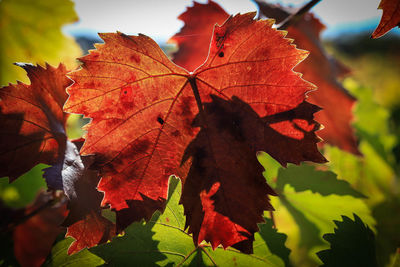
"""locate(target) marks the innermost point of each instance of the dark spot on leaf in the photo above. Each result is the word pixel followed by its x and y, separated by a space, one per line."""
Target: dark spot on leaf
pixel 176 133
pixel 138 147
pixel 168 171
pixel 94 55
pixel 135 58
pixel 183 107
pixel 221 54
pixel 128 105
pixel 131 78
pixel 89 85
pixel 111 123
pixel 160 120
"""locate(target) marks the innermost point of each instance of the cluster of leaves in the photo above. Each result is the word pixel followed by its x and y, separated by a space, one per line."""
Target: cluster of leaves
pixel 151 118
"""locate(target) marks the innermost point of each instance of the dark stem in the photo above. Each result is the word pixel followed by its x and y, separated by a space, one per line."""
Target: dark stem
pixel 186 257
pixel 192 81
pixel 208 255
pixel 271 214
pixel 293 18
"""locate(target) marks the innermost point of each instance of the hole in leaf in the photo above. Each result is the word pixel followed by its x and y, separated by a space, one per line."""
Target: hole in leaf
pixel 161 121
pixel 221 54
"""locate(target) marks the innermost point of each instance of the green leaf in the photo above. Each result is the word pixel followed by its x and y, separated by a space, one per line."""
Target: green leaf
pixel 31 32
pixel 352 244
pixel 306 177
pixel 373 174
pixel 163 241
pixel 271 167
pixel 59 256
pixel 312 215
pixel 322 210
pixel 23 190
pixel 388 230
pixel 275 241
pixel 135 246
pixel 371 122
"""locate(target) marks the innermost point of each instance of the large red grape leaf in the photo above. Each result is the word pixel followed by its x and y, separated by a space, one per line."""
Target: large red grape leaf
pixel 318 68
pixel 34 238
pixel 225 192
pixel 32 120
pixel 142 107
pixel 194 38
pixel 323 71
pixel 390 17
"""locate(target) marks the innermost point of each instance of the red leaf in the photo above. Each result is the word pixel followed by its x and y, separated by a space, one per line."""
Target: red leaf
pixel 33 120
pixel 318 68
pixel 390 17
pixel 143 106
pixel 91 231
pixel 34 238
pixel 322 71
pixel 194 38
pixel 34 132
pixel 225 192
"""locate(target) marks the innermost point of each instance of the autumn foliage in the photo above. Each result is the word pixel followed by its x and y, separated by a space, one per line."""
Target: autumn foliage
pixel 236 87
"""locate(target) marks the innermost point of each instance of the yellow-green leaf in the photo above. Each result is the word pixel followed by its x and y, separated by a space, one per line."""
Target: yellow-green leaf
pixel 31 32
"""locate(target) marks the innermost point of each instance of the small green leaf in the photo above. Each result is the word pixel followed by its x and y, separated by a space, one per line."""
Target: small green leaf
pixel 275 241
pixel 306 177
pixel 352 244
pixel 59 256
pixel 388 230
pixel 322 210
pixel 135 246
pixel 23 190
pixel 313 215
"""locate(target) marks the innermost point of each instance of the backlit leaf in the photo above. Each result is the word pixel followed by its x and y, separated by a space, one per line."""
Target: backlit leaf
pixel 306 177
pixel 194 38
pixel 390 17
pixel 33 120
pixel 323 71
pixel 143 107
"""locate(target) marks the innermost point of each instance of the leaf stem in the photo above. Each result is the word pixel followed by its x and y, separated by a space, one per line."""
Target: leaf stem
pixel 208 255
pixel 195 89
pixel 271 215
pixel 293 18
pixel 186 257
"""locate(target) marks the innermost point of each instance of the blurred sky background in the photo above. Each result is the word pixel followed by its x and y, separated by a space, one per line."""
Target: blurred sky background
pixel 158 18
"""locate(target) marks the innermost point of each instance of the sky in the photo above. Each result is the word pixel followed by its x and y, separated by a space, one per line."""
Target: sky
pixel 158 18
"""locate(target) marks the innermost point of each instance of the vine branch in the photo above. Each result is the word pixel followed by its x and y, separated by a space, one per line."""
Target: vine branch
pixel 293 18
